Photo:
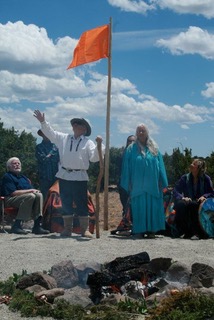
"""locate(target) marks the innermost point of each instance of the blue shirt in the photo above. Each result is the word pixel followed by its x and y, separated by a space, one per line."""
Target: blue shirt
pixel 12 182
pixel 48 158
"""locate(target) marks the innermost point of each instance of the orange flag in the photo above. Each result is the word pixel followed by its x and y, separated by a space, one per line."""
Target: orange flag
pixel 92 46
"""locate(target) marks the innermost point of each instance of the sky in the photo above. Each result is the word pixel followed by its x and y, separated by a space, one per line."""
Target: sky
pixel 162 69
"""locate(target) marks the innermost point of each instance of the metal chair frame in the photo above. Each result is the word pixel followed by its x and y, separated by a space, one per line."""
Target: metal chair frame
pixel 6 211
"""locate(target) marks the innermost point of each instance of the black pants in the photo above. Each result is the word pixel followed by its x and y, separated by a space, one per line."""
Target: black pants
pixel 74 191
pixel 187 219
pixel 123 199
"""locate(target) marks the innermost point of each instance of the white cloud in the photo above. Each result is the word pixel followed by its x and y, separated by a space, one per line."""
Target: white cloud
pixel 40 80
pixel 27 48
pixel 194 41
pixel 198 7
pixel 209 92
pixel 184 126
pixel 137 6
pixel 35 88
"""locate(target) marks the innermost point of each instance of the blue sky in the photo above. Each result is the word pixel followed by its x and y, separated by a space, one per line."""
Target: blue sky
pixel 162 69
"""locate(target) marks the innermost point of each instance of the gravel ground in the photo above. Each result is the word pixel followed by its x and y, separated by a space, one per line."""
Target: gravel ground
pixel 40 253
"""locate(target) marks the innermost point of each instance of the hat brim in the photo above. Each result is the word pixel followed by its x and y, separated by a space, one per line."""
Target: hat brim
pixel 84 123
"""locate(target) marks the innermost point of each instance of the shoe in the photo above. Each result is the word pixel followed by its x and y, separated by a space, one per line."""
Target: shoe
pixel 40 230
pixel 66 233
pixel 18 230
pixel 87 234
pixel 187 236
pixel 150 235
pixel 124 233
pixel 195 237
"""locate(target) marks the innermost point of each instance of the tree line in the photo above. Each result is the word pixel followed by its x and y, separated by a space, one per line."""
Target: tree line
pixel 23 145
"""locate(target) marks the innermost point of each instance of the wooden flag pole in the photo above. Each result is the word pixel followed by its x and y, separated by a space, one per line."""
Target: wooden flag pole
pixel 86 51
pixel 99 179
pixel 106 169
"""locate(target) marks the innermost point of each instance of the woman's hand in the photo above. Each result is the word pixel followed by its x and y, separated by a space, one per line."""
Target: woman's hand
pixel 201 199
pixel 187 199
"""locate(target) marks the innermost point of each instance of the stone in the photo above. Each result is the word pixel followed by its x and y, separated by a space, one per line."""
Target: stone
pixel 39 278
pixel 77 295
pixel 159 265
pixel 202 276
pixel 65 274
pixel 207 291
pixel 35 288
pixel 178 272
pixel 49 295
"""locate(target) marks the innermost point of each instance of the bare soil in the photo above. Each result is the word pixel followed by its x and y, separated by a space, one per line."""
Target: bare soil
pixel 113 209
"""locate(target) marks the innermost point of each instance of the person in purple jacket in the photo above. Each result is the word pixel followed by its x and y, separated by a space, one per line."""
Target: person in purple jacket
pixel 190 191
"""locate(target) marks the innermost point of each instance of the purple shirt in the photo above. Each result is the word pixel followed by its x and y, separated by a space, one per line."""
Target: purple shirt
pixel 185 187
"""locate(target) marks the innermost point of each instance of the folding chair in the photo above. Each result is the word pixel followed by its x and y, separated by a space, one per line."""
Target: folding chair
pixel 8 214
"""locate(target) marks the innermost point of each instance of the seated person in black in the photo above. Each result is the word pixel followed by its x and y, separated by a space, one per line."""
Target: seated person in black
pixel 190 191
pixel 19 193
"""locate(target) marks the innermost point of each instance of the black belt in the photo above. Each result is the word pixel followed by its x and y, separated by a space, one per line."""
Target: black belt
pixel 72 170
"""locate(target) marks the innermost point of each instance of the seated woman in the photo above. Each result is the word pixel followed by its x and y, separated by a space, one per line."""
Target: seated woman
pixel 190 191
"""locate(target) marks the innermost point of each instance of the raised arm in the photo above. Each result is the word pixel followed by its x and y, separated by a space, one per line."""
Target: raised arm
pixel 39 116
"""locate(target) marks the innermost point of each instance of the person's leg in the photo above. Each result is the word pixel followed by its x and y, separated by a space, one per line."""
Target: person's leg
pixel 66 195
pixel 123 199
pixel 17 228
pixel 37 214
pixel 81 201
pixel 24 204
pixel 37 205
pixel 195 224
pixel 183 219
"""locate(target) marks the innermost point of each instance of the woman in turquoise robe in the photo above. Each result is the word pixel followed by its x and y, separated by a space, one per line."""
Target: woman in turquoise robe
pixel 144 178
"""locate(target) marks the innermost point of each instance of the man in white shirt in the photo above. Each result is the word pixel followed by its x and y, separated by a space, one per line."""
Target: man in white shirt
pixel 76 152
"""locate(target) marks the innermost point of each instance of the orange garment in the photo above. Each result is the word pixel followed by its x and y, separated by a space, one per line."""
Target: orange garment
pixel 52 212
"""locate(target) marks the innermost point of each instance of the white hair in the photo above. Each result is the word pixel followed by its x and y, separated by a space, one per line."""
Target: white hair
pixel 9 161
pixel 150 143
